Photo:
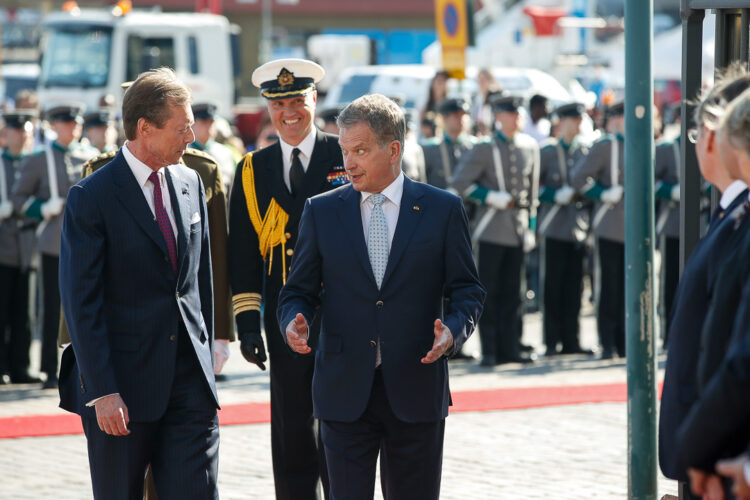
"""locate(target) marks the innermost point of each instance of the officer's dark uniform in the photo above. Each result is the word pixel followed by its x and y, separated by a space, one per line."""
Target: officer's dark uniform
pixel 16 242
pixel 564 228
pixel 501 233
pixel 263 220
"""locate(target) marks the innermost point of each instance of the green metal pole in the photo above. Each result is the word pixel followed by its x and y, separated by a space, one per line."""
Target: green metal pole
pixel 639 250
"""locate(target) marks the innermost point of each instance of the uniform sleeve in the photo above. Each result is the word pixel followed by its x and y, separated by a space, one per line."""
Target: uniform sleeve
pixel 546 167
pixel 217 228
pixel 465 180
pixel 662 157
pixel 23 194
pixel 245 260
pixel 584 175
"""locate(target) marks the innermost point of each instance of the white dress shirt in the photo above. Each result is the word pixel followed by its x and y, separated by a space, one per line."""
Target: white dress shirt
pixel 305 153
pixel 141 171
pixel 730 193
pixel 391 207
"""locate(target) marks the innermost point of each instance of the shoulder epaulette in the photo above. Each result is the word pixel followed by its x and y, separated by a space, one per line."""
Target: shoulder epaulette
pixel 199 153
pixel 97 162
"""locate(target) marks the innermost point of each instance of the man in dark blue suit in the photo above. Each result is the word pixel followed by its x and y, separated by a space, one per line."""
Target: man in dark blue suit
pixel 135 281
pixel 375 259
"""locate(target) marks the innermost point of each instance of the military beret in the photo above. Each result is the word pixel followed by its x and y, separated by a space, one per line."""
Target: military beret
pixel 204 111
pixel 64 113
pixel 286 78
pixel 505 102
pixel 570 110
pixel 450 105
pixel 98 118
pixel 19 118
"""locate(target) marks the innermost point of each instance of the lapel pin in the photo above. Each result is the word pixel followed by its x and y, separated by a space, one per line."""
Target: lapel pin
pixel 416 208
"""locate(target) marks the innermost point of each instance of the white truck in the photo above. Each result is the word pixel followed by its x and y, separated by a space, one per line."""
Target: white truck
pixel 87 54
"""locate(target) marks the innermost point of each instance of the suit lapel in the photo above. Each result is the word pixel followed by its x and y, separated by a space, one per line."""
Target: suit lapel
pixel 131 196
pixel 179 195
pixel 409 216
pixel 351 219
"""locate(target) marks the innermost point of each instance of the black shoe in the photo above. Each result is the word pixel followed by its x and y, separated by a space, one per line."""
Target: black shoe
pixel 515 359
pixel 551 352
pixel 606 354
pixel 25 378
pixel 488 361
pixel 50 383
pixel 525 348
pixel 220 377
pixel 578 350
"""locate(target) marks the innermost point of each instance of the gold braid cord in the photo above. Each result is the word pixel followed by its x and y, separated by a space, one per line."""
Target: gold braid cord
pixel 272 227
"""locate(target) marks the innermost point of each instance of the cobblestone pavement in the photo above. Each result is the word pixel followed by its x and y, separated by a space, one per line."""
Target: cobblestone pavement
pixel 562 452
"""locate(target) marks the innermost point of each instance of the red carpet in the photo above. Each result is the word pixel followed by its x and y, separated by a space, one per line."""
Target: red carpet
pixel 259 413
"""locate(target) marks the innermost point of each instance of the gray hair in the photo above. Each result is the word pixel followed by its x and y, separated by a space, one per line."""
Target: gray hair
pixel 385 118
pixel 711 106
pixel 735 123
pixel 150 97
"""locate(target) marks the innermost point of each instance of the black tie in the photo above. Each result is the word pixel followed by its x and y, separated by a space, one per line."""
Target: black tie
pixel 296 174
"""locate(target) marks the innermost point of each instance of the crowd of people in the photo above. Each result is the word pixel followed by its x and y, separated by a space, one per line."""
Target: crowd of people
pixel 543 208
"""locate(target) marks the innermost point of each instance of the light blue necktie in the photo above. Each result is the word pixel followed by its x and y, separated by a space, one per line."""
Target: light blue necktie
pixel 377 239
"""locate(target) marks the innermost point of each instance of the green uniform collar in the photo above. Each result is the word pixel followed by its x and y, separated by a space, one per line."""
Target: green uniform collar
pixel 12 157
pixel 56 145
pixel 620 137
pixel 197 145
pixel 499 134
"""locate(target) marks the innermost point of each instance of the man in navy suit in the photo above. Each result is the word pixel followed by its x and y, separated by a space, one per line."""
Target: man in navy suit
pixel 135 281
pixel 375 259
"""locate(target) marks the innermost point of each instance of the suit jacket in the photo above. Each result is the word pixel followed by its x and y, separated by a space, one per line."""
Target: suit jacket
pixel 520 172
pixel 595 170
pixel 122 302
pixel 253 275
pixel 694 295
pixel 430 259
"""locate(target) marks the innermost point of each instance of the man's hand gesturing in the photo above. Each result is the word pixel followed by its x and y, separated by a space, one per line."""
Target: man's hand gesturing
pixel 297 334
pixel 443 343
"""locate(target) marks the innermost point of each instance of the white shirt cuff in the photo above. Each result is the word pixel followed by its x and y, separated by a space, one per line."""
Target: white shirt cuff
pixel 747 471
pixel 93 401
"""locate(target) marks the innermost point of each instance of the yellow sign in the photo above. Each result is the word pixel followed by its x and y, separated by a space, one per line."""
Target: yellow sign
pixel 452 26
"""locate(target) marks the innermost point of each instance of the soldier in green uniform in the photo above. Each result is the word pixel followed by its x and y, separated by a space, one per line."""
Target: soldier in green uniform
pixel 16 243
pixel 268 196
pixel 563 225
pixel 600 176
pixel 667 175
pixel 205 140
pixel 99 129
pixel 442 154
pixel 39 193
pixel 501 175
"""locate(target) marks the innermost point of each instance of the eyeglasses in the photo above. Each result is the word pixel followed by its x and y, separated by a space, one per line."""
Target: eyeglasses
pixel 692 135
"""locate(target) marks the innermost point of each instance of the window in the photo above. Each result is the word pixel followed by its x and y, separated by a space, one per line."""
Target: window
pixel 193 55
pixel 76 57
pixel 148 53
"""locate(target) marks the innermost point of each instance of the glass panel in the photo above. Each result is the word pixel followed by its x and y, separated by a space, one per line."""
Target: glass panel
pixel 77 57
pixel 193 55
pixel 148 53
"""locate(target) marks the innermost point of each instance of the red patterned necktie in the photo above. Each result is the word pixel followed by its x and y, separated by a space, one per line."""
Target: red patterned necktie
pixel 162 218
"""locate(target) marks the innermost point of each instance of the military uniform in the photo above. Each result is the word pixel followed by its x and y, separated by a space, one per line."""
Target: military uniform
pixel 16 246
pixel 263 221
pixel 564 228
pixel 667 174
pixel 32 192
pixel 510 166
pixel 592 176
pixel 441 155
pixel 210 174
pixel 219 152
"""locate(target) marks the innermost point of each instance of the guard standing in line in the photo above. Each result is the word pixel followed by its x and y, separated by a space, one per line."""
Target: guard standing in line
pixel 99 129
pixel 205 140
pixel 441 155
pixel 599 176
pixel 268 196
pixel 502 176
pixel 15 254
pixel 563 223
pixel 39 193
pixel 667 174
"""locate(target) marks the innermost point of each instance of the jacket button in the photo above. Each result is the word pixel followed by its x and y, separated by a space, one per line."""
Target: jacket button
pixel 379 304
pixel 172 337
pixel 288 235
pixel 289 251
pixel 373 343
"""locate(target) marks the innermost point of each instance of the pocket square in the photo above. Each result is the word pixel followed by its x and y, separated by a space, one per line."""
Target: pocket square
pixel 196 218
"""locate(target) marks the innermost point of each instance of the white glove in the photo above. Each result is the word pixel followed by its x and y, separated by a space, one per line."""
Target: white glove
pixel 529 240
pixel 612 196
pixel 564 195
pixel 498 199
pixel 221 354
pixel 6 209
pixel 52 208
pixel 675 192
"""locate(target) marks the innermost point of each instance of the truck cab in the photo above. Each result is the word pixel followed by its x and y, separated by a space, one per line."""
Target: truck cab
pixel 90 53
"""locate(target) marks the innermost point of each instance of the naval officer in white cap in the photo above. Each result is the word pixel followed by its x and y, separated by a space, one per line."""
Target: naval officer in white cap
pixel 268 195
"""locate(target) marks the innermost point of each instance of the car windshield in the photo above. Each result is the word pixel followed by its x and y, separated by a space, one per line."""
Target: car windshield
pixel 356 86
pixel 76 57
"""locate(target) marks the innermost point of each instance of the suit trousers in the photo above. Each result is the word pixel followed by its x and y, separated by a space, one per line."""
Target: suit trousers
pixel 611 314
pixel 500 270
pixel 298 456
pixel 14 322
pixel 563 285
pixel 182 446
pixel 50 313
pixel 411 453
pixel 670 277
